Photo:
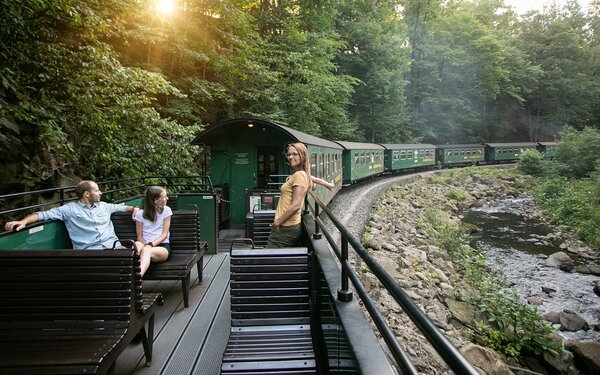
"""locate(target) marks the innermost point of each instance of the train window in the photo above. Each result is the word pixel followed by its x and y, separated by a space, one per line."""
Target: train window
pixel 372 157
pixel 272 162
pixel 333 164
pixel 402 155
pixel 321 166
pixel 450 153
pixel 313 164
pixel 362 157
pixel 409 154
pixel 261 164
pixel 395 155
pixel 421 153
pixel 468 152
pixel 456 152
pixel 328 166
pixel 356 158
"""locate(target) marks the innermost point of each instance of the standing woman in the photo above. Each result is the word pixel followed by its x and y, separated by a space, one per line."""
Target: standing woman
pixel 286 230
pixel 152 226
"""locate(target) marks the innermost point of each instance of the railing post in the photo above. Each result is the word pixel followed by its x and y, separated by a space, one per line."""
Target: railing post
pixel 344 294
pixel 317 233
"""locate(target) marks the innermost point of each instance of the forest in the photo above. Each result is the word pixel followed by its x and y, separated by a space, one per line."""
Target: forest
pixel 106 89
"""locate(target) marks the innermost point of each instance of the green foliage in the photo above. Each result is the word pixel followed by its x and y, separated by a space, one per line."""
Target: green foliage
pixel 373 53
pixel 511 327
pixel 575 203
pixel 532 162
pixel 457 195
pixel 439 179
pixel 71 108
pixel 578 152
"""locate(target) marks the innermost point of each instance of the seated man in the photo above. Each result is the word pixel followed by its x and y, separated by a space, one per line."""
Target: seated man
pixel 87 221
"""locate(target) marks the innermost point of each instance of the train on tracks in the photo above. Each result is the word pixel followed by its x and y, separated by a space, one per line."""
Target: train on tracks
pixel 304 320
pixel 247 160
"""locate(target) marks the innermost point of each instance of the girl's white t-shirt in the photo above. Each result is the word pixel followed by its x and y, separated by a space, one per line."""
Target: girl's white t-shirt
pixel 151 230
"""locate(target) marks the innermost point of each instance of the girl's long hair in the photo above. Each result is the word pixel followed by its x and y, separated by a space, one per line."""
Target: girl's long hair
pixel 152 194
pixel 304 160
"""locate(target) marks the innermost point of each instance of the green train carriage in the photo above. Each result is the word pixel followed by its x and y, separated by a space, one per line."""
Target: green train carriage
pixel 548 149
pixel 506 152
pixel 247 160
pixel 361 160
pixel 408 156
pixel 459 154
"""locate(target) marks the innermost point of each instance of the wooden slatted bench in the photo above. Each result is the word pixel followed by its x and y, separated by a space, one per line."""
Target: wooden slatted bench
pixel 270 314
pixel 258 226
pixel 71 311
pixel 186 252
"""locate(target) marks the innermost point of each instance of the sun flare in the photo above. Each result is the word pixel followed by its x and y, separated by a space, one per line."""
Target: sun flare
pixel 165 7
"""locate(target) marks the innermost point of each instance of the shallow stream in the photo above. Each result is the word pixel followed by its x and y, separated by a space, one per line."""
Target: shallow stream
pixel 513 243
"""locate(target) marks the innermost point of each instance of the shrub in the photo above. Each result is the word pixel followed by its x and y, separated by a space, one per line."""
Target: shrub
pixel 511 326
pixel 578 152
pixel 457 194
pixel 531 162
pixel 573 203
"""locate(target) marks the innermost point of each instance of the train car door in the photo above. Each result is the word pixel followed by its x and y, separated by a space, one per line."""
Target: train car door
pixel 266 165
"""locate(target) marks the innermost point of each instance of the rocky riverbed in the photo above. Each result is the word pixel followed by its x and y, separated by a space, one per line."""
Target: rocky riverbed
pixel 396 237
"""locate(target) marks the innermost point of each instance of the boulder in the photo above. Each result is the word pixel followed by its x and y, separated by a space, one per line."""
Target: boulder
pixel 586 356
pixel 563 363
pixel 389 247
pixel 533 300
pixel 461 311
pixel 571 321
pixel 594 269
pixel 486 360
pixel 561 260
pixel 552 316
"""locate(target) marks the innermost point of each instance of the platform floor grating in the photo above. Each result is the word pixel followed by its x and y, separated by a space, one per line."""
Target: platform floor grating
pixel 187 340
pixel 226 236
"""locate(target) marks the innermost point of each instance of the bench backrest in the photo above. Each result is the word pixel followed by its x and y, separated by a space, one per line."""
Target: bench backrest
pixel 258 226
pixel 69 285
pixel 184 230
pixel 46 234
pixel 269 287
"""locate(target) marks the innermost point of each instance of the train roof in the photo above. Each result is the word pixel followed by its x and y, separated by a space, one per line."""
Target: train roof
pixel 460 145
pixel 547 143
pixel 217 131
pixel 399 146
pixel 359 145
pixel 517 144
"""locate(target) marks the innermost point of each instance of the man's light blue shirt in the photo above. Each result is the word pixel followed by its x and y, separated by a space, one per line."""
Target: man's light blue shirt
pixel 88 227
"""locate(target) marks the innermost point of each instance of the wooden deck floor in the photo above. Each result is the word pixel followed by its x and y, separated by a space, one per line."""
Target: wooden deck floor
pixel 187 340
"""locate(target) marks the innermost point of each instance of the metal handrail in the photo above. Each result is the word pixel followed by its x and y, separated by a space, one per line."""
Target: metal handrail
pixel 440 343
pixel 111 187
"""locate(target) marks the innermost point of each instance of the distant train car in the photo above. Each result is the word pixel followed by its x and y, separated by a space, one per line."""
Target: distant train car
pixel 361 160
pixel 506 152
pixel 459 154
pixel 407 156
pixel 248 162
pixel 548 149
